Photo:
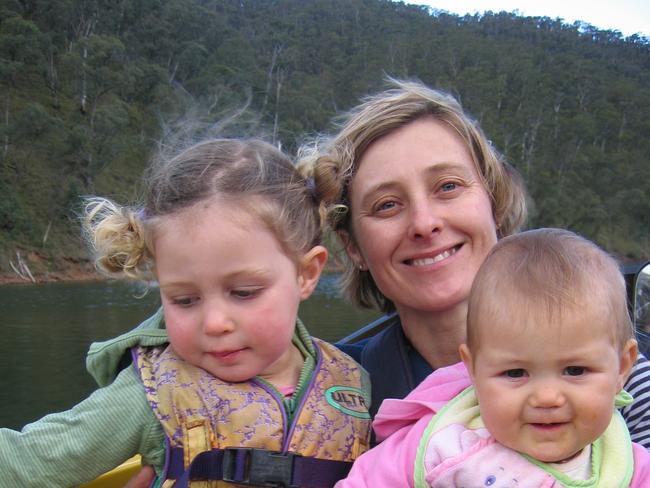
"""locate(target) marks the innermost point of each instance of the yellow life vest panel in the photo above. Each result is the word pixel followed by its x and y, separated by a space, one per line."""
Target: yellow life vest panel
pixel 203 415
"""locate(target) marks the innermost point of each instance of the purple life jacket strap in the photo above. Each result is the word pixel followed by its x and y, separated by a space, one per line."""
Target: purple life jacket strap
pixel 257 467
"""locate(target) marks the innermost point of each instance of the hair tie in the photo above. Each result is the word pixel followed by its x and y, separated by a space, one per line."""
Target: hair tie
pixel 310 183
pixel 140 215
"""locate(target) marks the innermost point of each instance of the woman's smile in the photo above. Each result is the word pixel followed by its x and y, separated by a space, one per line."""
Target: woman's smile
pixel 435 258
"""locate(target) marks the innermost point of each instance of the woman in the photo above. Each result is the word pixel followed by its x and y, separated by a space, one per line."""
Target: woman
pixel 418 196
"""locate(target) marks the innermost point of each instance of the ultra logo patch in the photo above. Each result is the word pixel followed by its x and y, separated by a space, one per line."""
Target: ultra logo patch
pixel 348 400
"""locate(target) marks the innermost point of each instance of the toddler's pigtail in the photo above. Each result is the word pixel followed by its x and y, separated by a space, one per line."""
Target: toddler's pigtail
pixel 117 239
pixel 325 174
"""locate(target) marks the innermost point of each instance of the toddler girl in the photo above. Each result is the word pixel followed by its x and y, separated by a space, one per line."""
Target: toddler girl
pixel 239 392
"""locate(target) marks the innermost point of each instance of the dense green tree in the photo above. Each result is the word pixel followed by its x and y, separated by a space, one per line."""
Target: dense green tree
pixel 88 87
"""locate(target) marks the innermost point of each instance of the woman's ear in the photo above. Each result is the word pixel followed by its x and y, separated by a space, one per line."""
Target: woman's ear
pixel 627 359
pixel 310 268
pixel 351 249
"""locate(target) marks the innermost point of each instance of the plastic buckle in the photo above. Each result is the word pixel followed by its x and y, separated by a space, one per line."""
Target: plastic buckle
pixel 260 467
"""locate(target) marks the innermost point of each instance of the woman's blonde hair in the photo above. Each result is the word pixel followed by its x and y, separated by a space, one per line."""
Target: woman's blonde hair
pixel 334 161
pixel 249 172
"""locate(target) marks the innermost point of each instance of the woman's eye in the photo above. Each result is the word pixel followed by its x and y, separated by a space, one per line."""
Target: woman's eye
pixel 385 206
pixel 448 186
pixel 574 371
pixel 515 373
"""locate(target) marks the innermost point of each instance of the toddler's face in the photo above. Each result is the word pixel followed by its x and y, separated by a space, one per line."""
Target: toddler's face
pixel 230 294
pixel 547 390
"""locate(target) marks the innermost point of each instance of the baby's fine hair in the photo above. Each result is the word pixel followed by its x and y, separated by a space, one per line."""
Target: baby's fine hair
pixel 247 172
pixel 541 273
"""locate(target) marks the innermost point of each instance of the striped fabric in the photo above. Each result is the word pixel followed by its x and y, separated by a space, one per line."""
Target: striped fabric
pixel 637 414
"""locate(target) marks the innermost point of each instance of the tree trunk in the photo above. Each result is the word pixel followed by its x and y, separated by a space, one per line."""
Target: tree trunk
pixel 84 94
pixel 53 79
pixel 277 50
pixel 5 147
pixel 278 88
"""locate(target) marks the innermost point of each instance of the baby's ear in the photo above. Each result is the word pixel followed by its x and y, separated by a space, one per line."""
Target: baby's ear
pixel 627 359
pixel 310 268
pixel 466 357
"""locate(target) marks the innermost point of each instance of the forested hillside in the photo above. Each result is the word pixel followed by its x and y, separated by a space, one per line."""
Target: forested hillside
pixel 87 87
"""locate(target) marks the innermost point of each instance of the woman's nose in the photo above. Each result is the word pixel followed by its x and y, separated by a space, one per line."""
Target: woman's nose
pixel 424 219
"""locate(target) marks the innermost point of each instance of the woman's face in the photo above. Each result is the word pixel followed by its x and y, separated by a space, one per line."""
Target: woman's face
pixel 422 221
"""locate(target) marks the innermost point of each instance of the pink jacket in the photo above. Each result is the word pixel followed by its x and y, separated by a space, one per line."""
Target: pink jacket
pixel 400 424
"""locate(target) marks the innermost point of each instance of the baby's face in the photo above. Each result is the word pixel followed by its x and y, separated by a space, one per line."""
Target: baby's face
pixel 547 390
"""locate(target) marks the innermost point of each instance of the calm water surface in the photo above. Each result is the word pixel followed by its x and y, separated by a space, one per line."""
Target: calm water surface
pixel 47 329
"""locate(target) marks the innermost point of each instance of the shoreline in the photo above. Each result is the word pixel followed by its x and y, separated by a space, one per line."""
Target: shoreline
pixel 76 275
pixel 10 278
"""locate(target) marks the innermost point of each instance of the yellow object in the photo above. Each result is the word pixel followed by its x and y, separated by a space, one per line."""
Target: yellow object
pixel 118 477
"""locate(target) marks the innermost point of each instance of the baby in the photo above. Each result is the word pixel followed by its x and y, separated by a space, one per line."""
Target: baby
pixel 549 348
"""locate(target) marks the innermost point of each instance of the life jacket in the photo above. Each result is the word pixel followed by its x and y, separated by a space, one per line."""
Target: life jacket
pixel 240 433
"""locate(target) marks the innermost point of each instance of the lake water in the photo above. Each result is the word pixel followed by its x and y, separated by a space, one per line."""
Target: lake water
pixel 47 328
